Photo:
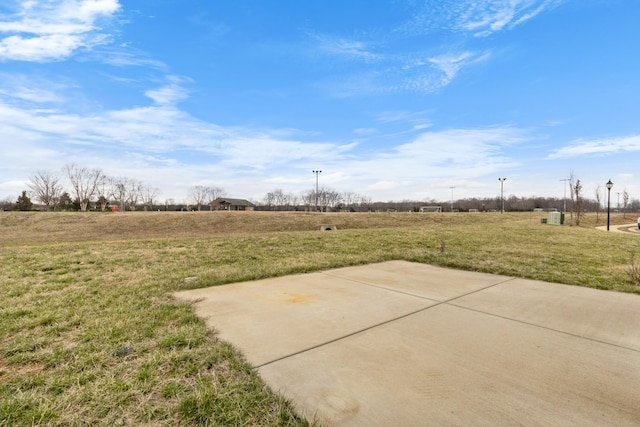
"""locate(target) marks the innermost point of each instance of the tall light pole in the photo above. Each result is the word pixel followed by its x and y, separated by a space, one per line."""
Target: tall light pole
pixel 609 185
pixel 317 173
pixel 502 180
pixel 618 206
pixel 452 198
pixel 564 203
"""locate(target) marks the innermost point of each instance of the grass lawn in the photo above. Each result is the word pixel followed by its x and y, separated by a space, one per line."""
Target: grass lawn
pixel 90 333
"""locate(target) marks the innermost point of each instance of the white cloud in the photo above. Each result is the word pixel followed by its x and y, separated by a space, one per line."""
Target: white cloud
pixel 384 73
pixel 477 17
pixel 489 16
pixel 400 116
pixel 459 148
pixel 399 67
pixel 171 93
pixel 157 130
pixel 366 131
pixel 53 30
pixel 126 56
pixel 412 170
pixel 405 74
pixel 30 88
pixel 450 64
pixel 347 48
pixel 169 149
pixel 598 147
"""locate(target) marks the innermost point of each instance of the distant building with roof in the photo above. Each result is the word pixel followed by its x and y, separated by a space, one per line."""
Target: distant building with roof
pixel 228 204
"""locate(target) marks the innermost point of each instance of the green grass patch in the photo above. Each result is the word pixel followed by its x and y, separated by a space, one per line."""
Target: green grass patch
pixel 91 335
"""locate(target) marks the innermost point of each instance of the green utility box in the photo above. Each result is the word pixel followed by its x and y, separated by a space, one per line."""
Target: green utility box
pixel 556 218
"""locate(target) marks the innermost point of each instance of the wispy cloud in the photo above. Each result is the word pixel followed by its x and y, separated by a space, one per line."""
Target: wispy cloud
pixel 400 61
pixel 41 31
pixel 483 18
pixel 451 64
pixel 400 116
pixel 171 93
pixel 477 17
pixel 158 130
pixel 152 142
pixel 125 56
pixel 462 148
pixel 430 158
pixel 346 48
pixel 31 89
pixel 598 147
pixel 417 72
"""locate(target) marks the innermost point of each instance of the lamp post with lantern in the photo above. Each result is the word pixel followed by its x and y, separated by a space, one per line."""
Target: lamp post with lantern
pixel 317 172
pixel 502 180
pixel 609 186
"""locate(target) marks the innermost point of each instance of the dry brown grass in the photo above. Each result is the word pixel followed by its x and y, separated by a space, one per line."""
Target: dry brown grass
pixel 73 226
pixel 79 289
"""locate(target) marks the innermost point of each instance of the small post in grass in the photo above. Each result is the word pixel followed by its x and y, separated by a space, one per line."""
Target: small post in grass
pixel 609 186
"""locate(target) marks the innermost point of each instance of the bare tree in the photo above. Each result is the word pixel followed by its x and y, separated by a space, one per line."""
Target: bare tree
pixel 278 199
pixel 332 198
pixel 46 188
pixel 327 198
pixel 598 202
pixel 126 192
pixel 134 193
pixel 349 198
pixel 214 193
pixel 269 200
pixel 205 195
pixel 365 201
pixel 148 195
pixel 199 195
pixel 294 199
pixel 308 199
pixel 104 189
pixel 576 198
pixel 119 189
pixel 85 183
pixel 6 204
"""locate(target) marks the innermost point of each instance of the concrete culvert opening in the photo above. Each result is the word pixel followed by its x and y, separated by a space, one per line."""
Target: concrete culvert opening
pixel 328 227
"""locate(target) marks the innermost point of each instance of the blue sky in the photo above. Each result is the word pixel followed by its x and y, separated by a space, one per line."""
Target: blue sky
pixel 390 99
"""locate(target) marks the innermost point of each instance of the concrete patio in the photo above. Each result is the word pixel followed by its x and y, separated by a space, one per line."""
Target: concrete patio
pixel 407 344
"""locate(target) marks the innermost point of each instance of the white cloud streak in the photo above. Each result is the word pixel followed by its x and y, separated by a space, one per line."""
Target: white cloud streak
pixel 171 93
pixel 31 88
pixel 398 63
pixel 347 48
pixel 42 31
pixel 451 64
pixel 479 18
pixel 598 147
pixel 416 72
pixel 170 149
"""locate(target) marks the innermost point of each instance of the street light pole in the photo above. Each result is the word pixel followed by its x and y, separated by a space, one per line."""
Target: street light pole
pixel 452 198
pixel 317 173
pixel 564 203
pixel 502 180
pixel 609 186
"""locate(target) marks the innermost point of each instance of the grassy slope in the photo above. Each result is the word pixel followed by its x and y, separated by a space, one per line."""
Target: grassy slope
pixel 90 333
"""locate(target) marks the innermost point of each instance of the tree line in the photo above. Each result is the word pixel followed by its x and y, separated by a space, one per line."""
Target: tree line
pixel 82 188
pixel 323 199
pixel 87 186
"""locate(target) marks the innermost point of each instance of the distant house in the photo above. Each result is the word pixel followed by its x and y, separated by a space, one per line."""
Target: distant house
pixel 227 204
